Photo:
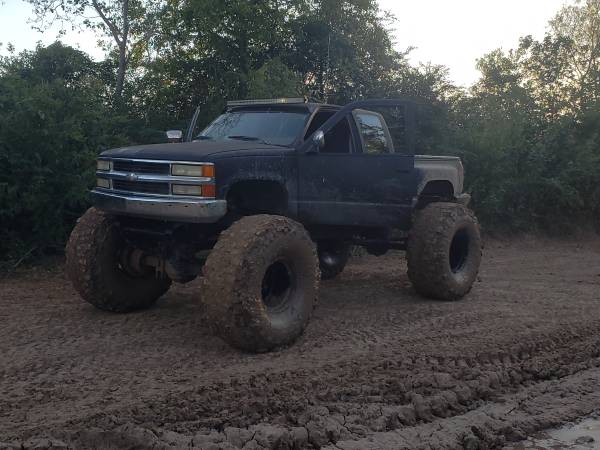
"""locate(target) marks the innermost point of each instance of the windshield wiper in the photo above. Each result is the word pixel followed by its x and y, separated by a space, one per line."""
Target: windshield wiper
pixel 202 137
pixel 246 138
pixel 255 139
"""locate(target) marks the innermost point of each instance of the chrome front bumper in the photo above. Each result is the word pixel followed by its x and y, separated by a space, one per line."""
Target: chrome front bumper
pixel 169 209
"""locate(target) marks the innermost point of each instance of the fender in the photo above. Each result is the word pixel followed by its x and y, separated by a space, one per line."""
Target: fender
pixel 439 168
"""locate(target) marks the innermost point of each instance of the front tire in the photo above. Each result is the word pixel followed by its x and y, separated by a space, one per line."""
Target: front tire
pixel 261 283
pixel 93 266
pixel 444 251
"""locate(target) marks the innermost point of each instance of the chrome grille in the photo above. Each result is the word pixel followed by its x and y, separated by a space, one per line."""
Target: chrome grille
pixel 143 187
pixel 141 167
pixel 150 178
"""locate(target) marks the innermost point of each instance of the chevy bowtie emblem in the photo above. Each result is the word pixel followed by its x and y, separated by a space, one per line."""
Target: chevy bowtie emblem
pixel 132 177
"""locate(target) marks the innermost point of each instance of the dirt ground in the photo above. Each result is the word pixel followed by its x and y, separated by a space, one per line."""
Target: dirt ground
pixel 379 367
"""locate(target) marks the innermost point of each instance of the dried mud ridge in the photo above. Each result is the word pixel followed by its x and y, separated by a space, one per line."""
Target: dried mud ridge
pixel 470 381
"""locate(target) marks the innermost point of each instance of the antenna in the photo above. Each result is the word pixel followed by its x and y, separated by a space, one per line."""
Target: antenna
pixel 327 63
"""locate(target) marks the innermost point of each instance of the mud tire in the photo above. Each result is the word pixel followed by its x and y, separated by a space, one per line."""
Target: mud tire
pixel 246 309
pixel 93 267
pixel 444 251
pixel 333 257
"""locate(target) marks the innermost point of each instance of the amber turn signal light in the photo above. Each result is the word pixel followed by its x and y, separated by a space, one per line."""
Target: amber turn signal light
pixel 208 171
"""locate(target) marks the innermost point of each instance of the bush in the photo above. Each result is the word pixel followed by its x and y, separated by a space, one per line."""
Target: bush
pixel 53 122
pixel 528 175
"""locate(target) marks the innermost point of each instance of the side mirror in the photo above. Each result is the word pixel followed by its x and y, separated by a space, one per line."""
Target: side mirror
pixel 174 135
pixel 318 140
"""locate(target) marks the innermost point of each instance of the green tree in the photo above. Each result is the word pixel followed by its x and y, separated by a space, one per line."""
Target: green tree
pixel 53 122
pixel 343 49
pixel 128 24
pixel 274 79
pixel 524 132
pixel 579 24
pixel 563 69
pixel 209 51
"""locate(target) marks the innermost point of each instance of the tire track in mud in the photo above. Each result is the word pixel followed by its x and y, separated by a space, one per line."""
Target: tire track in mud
pixel 378 368
pixel 495 424
pixel 346 403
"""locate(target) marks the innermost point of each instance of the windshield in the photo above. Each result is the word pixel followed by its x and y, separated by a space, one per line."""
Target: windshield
pixel 270 127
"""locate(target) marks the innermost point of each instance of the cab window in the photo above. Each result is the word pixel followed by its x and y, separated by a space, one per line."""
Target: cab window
pixel 338 139
pixel 376 139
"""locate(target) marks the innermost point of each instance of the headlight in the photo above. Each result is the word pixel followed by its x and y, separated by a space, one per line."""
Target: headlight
pixel 103 183
pixel 193 170
pixel 187 189
pixel 192 190
pixel 103 165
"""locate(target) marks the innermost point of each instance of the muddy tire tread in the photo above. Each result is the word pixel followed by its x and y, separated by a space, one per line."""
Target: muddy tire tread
pixel 427 250
pixel 82 256
pixel 224 280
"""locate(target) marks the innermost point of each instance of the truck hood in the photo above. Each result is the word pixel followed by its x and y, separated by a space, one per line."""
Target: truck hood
pixel 189 151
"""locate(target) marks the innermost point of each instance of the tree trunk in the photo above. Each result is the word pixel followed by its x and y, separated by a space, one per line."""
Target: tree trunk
pixel 121 72
pixel 122 53
pixel 121 37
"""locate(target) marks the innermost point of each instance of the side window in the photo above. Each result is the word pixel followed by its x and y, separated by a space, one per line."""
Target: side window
pixel 319 119
pixel 376 139
pixel 338 139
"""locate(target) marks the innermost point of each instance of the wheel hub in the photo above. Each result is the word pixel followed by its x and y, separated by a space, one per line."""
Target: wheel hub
pixel 330 258
pixel 276 285
pixel 132 261
pixel 459 251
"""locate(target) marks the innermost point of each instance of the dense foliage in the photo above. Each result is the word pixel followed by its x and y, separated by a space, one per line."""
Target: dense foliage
pixel 528 130
pixel 53 121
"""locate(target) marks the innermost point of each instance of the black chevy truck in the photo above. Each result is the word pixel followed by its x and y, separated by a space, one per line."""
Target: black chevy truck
pixel 265 202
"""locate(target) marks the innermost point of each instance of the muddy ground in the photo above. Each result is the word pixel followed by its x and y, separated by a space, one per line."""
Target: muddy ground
pixel 379 367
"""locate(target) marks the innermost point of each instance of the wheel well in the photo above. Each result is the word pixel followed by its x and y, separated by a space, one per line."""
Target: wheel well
pixel 257 196
pixel 436 191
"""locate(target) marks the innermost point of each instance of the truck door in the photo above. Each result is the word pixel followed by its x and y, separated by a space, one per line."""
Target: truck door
pixel 362 176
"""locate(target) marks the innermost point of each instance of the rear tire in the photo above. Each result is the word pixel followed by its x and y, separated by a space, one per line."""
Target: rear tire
pixel 93 266
pixel 333 257
pixel 261 283
pixel 444 251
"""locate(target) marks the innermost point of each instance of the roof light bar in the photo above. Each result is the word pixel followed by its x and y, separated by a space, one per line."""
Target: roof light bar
pixel 269 101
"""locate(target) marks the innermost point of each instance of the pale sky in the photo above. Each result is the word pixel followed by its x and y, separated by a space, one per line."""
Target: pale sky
pixel 455 33
pixel 452 33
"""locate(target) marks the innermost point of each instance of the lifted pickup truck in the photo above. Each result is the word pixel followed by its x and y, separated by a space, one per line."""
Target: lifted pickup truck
pixel 264 202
